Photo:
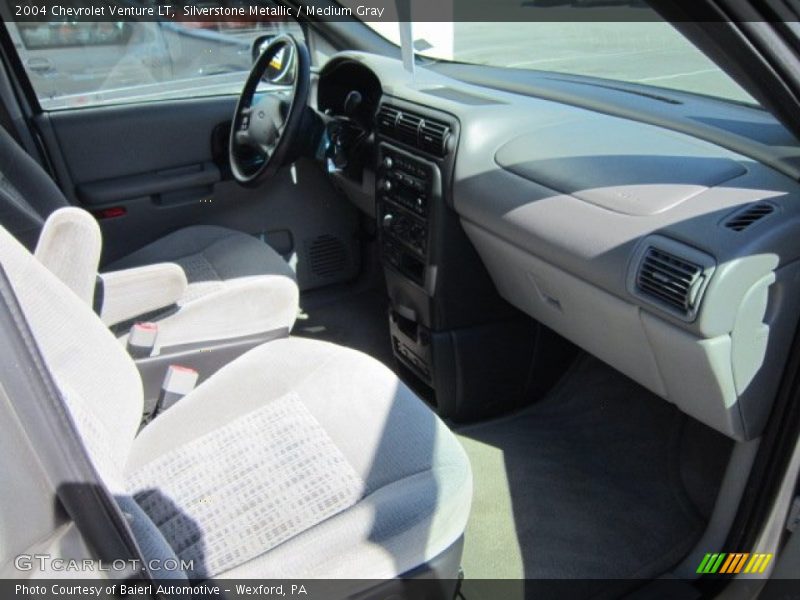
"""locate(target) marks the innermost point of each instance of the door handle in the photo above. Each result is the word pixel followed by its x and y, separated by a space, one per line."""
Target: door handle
pixel 149 184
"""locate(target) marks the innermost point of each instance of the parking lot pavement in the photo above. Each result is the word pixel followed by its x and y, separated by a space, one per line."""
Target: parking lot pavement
pixel 646 52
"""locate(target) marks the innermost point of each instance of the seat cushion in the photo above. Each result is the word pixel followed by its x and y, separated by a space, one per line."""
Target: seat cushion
pixel 238 286
pixel 302 459
pixel 211 257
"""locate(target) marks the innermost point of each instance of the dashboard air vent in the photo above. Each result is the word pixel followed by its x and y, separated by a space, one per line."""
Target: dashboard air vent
pixel 410 128
pixel 749 215
pixel 669 279
pixel 387 118
pixel 433 137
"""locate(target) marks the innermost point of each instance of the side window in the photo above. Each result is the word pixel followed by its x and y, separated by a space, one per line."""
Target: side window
pixel 78 63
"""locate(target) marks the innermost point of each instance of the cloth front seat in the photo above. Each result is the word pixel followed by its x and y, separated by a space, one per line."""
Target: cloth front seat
pixel 215 259
pixel 298 459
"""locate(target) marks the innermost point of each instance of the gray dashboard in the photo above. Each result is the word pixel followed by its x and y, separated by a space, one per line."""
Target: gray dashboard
pixel 579 216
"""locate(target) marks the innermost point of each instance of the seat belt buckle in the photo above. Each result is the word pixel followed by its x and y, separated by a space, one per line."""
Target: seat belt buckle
pixel 142 339
pixel 178 382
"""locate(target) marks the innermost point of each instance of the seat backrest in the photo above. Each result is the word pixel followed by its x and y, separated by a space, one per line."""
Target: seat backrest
pixel 95 375
pixel 27 193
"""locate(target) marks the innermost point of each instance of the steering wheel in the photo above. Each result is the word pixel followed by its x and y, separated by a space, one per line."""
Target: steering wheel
pixel 265 125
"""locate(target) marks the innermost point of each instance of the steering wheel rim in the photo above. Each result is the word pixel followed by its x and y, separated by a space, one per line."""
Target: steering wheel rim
pixel 268 125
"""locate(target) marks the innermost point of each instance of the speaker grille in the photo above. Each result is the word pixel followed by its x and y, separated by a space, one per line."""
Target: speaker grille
pixel 327 256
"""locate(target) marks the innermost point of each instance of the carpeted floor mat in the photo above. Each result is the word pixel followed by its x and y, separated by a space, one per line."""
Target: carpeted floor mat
pixel 588 483
pixel 357 319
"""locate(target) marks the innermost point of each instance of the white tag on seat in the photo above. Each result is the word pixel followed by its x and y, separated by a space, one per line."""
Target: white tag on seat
pixel 178 382
pixel 142 339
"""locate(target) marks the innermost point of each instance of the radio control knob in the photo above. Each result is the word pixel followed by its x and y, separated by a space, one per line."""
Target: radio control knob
pixel 388 220
pixel 387 185
pixel 388 162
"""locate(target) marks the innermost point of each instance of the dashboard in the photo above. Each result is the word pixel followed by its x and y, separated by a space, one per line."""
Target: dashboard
pixel 671 258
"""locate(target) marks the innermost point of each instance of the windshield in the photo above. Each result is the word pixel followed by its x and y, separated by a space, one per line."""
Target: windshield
pixel 646 52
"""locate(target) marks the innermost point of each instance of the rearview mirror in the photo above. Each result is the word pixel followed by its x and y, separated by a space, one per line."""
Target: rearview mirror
pixel 260 44
pixel 280 70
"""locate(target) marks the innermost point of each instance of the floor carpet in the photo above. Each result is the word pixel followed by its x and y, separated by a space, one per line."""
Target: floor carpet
pixel 357 317
pixel 354 318
pixel 589 483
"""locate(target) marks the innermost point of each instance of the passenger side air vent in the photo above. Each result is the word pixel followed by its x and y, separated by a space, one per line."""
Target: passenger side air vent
pixel 749 215
pixel 671 280
pixel 413 129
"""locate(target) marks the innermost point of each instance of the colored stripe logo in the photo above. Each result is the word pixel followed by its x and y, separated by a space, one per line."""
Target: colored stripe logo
pixel 735 562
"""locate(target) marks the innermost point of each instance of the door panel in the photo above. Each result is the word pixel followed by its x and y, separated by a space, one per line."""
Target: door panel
pixel 152 168
pixel 107 142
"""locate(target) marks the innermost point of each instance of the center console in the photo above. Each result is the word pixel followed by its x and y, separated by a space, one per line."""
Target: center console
pixel 450 329
pixel 407 188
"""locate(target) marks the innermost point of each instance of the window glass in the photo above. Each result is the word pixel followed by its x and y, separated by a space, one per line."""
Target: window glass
pixel 646 51
pixel 43 36
pixel 73 64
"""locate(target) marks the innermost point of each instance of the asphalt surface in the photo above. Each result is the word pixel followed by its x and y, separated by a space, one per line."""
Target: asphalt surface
pixel 651 53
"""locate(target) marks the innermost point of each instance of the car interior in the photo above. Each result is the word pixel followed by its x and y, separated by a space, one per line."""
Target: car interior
pixel 439 322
